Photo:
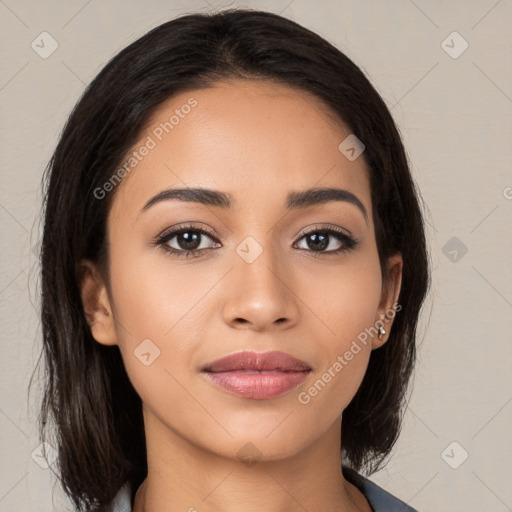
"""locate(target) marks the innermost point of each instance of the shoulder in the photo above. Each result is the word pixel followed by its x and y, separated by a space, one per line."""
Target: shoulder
pixel 379 499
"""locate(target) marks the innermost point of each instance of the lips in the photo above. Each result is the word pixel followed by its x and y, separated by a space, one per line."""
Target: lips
pixel 258 362
pixel 257 376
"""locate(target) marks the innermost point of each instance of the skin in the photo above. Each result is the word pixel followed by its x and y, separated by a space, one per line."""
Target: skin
pixel 257 141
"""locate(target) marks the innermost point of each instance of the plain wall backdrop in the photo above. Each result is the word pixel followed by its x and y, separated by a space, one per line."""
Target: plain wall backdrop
pixel 445 71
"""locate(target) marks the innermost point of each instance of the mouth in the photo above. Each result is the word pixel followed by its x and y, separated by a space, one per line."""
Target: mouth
pixel 255 375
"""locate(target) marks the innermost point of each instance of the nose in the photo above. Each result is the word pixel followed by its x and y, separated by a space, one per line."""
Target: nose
pixel 259 294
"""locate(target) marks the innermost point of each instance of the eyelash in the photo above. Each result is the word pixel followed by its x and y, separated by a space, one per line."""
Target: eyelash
pixel 349 242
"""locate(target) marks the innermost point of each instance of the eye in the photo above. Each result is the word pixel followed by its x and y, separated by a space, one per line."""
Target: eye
pixel 188 241
pixel 185 241
pixel 333 238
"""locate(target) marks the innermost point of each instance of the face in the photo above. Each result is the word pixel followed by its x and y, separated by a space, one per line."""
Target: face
pixel 264 275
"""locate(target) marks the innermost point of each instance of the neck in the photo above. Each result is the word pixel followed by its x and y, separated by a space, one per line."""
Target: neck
pixel 184 476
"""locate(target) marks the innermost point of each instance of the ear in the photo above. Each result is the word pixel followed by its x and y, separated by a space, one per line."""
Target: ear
pixel 96 304
pixel 388 304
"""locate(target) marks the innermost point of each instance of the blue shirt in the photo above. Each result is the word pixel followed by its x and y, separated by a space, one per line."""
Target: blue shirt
pixel 379 499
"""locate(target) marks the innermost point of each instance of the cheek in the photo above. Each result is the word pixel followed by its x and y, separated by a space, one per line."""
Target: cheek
pixel 344 299
pixel 335 384
pixel 159 307
pixel 153 297
pixel 345 305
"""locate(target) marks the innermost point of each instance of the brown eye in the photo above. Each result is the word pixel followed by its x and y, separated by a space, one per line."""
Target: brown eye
pixel 336 240
pixel 186 241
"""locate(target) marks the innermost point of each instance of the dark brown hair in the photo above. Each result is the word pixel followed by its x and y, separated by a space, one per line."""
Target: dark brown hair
pixel 89 401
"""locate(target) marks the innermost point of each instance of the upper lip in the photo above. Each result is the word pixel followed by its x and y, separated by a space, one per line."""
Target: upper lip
pixel 274 360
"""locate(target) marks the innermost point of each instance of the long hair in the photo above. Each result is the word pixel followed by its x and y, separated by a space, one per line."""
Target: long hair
pixel 89 402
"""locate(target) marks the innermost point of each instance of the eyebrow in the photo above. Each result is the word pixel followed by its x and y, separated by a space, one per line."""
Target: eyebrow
pixel 294 200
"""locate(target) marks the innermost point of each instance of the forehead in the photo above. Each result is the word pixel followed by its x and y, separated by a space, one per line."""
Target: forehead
pixel 257 141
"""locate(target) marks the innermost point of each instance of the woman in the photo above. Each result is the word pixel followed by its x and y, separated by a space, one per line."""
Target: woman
pixel 233 267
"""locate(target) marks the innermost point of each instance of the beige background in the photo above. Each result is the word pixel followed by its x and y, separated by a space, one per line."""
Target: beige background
pixel 454 114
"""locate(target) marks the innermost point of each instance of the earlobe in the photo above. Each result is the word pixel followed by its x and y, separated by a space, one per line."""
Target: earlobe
pixel 389 306
pixel 96 304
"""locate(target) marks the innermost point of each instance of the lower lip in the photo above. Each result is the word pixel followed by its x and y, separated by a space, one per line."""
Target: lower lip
pixel 258 386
